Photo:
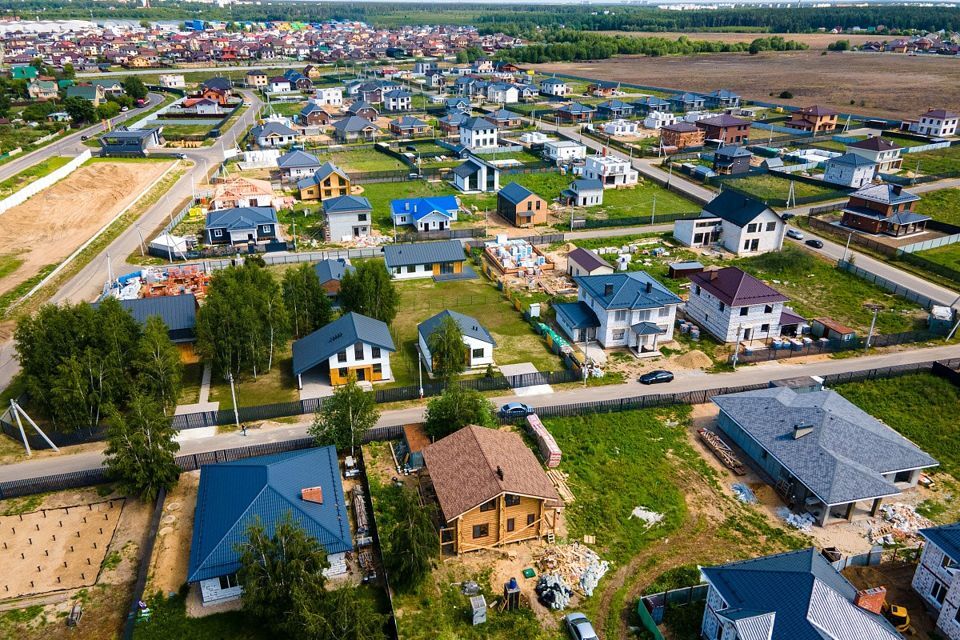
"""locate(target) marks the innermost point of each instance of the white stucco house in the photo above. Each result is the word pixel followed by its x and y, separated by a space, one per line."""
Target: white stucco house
pixel 849 170
pixel 564 151
pixel 741 224
pixel 478 134
pixel 328 96
pixel 936 123
pixel 554 87
pixel 732 305
pixel 936 578
pixel 480 343
pixel 612 171
pixel 620 127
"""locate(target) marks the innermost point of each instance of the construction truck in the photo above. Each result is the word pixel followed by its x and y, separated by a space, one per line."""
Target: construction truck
pixel 899 617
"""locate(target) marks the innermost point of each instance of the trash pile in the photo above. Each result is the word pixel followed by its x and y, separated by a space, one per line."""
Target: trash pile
pixel 803 521
pixel 590 578
pixel 901 523
pixel 744 493
pixel 646 515
pixel 575 564
pixel 553 592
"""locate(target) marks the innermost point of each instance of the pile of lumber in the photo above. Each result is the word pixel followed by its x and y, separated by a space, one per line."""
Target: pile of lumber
pixel 722 450
pixel 561 484
pixel 549 449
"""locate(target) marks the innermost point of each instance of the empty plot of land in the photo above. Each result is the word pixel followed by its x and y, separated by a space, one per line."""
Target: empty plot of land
pixel 833 79
pixel 47 228
pixel 812 40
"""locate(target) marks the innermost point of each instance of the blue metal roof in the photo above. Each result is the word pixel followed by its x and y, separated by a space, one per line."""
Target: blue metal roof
pixel 342 333
pixel 469 327
pixel 233 494
pixel 577 314
pixel 418 208
pixel 947 537
pixel 240 218
pixel 328 270
pixel 179 313
pixel 576 108
pixel 297 160
pixel 633 290
pixel 343 204
pixel 413 253
pixel 515 193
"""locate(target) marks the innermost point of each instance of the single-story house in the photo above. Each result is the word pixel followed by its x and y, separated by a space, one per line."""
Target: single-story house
pixel 354 128
pixel 425 214
pixel 823 454
pixel 424 259
pixel 409 126
pixel 350 345
pixel 575 112
pixel 295 165
pixel 520 206
pixel 314 115
pixel 273 134
pixel 179 313
pixel 480 343
pixel 233 495
pixel 330 273
pixel 585 262
pixel 130 142
pixel 242 225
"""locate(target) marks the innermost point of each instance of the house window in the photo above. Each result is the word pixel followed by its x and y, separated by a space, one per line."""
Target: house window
pixel 342 356
pixel 361 217
pixel 618 334
pixel 511 500
pixel 938 592
pixel 956 616
pixel 902 476
pixel 229 582
pixel 744 311
pixel 481 531
pixel 511 524
pixel 746 244
pixel 378 369
pixel 765 328
pixel 752 227
pixel 620 315
pixel 697 289
pixel 947 562
pixel 722 306
pixel 358 351
pixel 771 226
pixel 343 372
pixel 375 352
pixel 664 312
pixel 217 233
pixel 411 268
pixel 478 353
pixel 531 517
pixel 489 505
pixel 768 308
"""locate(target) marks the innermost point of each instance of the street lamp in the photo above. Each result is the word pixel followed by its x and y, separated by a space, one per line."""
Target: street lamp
pixel 873 323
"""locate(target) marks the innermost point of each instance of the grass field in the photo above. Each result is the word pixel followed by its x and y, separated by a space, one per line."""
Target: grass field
pixel 948 256
pixel 381 193
pixel 422 299
pixel 30 174
pixel 175 131
pixel 362 160
pixel 942 205
pixel 936 162
pixel 169 620
pixel 770 187
pixel 276 385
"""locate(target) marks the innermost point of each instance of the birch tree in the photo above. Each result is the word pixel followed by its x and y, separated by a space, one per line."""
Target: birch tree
pixel 344 417
pixel 141 450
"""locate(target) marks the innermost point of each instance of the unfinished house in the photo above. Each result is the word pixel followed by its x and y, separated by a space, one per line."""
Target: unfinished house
pixel 491 490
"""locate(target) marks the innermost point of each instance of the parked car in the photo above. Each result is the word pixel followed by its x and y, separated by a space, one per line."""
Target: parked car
pixel 816 244
pixel 579 627
pixel 182 156
pixel 124 109
pixel 786 216
pixel 793 233
pixel 515 410
pixel 84 138
pixel 659 376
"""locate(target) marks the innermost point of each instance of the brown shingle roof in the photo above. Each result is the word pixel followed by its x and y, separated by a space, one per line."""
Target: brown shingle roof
pixel 463 468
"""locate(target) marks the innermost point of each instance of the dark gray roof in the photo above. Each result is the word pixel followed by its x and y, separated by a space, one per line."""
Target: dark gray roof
pixel 469 327
pixel 584 184
pixel 578 314
pixel 885 194
pixel 852 160
pixel 353 124
pixel 731 152
pixel 471 165
pixel 875 143
pixel 413 253
pixel 272 128
pixel 515 193
pixel 735 207
pixel 344 204
pixel 845 455
pixel 723 120
pixel 587 259
pixel 179 313
pixel 297 160
pixel 478 124
pixel 633 290
pixel 328 270
pixel 408 122
pixel 342 333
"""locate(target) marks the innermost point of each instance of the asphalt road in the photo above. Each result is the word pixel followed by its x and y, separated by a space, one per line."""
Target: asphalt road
pixel 280 64
pixel 685 381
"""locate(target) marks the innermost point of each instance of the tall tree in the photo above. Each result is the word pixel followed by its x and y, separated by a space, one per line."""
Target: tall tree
pixel 456 408
pixel 369 290
pixel 141 450
pixel 345 613
pixel 134 87
pixel 413 544
pixel 307 303
pixel 158 361
pixel 345 416
pixel 274 567
pixel 447 349
pixel 79 110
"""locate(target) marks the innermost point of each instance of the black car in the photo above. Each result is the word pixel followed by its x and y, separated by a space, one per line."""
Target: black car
pixel 816 244
pixel 656 377
pixel 515 410
pixel 786 216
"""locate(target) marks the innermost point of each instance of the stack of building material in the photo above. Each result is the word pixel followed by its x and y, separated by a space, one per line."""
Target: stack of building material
pixel 722 450
pixel 553 592
pixel 575 564
pixel 904 521
pixel 545 442
pixel 561 484
pixel 360 512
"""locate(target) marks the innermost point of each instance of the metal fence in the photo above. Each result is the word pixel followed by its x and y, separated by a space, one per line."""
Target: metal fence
pixel 832 346
pixel 633 221
pixel 897 289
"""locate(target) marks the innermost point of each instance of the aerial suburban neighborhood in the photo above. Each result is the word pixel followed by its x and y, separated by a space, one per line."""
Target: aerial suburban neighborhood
pixel 376 321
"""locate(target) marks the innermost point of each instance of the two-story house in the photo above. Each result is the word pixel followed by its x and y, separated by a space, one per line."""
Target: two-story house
pixel 352 345
pixel 813 119
pixel 936 123
pixel 347 217
pixel 241 225
pixel 743 225
pixel 681 135
pixel 883 208
pixel 397 100
pixel 328 96
pixel 328 181
pixel 612 171
pixel 554 87
pixel 936 577
pixel 296 165
pixel 725 129
pixel 849 170
pixel 478 134
pixel 657 120
pixel 630 310
pixel 564 151
pixel 520 206
pixel 734 306
pixel 884 153
pixel 732 160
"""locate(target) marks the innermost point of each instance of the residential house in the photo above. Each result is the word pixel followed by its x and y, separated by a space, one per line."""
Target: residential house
pixel 92 92
pixel 823 453
pixel 219 96
pixel 798 595
pixel 363 109
pixel 813 119
pixel 849 170
pixel 241 192
pixel 620 128
pixel 683 102
pixel 424 259
pixel 936 123
pixel 583 193
pixel 328 97
pixel 742 224
pixel 398 100
pixel 722 99
pixel 476 175
pixel 725 129
pixel 612 171
pixel 614 109
pixel 491 490
pixel 241 225
pixel 450 123
pixel 732 160
pixel 504 119
pixel 273 134
pixel 330 273
pixel 681 135
pixel 651 103
pixel 883 208
pixel 478 134
pixel 461 105
pixel 202 107
pixel 232 496
pixel 604 89
pixel 882 152
pixel 313 115
pixel 179 314
pixel 295 165
pixel 585 262
pixel 503 93
pixel 43 89
pixel 23 72
pixel 520 206
pixel 659 119
pixel 112 88
pixel 298 81
pixel 256 79
pixel 564 151
pixel 479 342
pixel 279 84
pixel 347 217
pixel 409 126
pixel 630 310
pixel 352 346
pixel 328 181
pixel 218 83
pixel 555 88
pixel 425 214
pixel 935 578
pixel 734 306
pixel 354 128
pixel 575 112
pixel 130 143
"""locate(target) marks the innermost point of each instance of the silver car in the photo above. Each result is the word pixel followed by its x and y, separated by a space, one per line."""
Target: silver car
pixel 579 627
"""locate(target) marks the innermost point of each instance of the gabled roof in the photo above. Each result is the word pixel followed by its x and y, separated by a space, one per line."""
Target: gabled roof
pixel 735 207
pixel 477 124
pixel 327 169
pixel 342 333
pixel 464 468
pixel 731 152
pixel 413 253
pixel 471 165
pixel 852 160
pixel 632 290
pixel 328 270
pixel 515 193
pixel 221 84
pixel 587 259
pixel 582 185
pixel 686 97
pixel 681 127
pixel 614 104
pixel 359 106
pixel 806 595
pixel 419 208
pixel 875 143
pixel 272 129
pixel 842 459
pixel 723 93
pixel 502 114
pixel 398 93
pixel 576 108
pixel 469 327
pixel 179 313
pixel 240 218
pixel 947 537
pixel 454 118
pixel 310 108
pixel 345 204
pixel 297 160
pixel 736 288
pixel 723 120
pixel 233 495
pixel 817 110
pixel 554 81
pixel 408 122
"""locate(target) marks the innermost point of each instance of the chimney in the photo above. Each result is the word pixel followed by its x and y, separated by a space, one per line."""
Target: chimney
pixel 608 289
pixel 500 472
pixel 802 429
pixel 312 494
pixel 713 274
pixel 649 287
pixel 897 189
pixel 871 599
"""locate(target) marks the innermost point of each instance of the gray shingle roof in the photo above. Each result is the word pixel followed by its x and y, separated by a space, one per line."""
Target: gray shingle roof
pixel 469 327
pixel 735 207
pixel 477 124
pixel 272 129
pixel 328 270
pixel 342 333
pixel 297 160
pixel 633 290
pixel 353 124
pixel 413 253
pixel 885 194
pixel 851 160
pixel 845 455
pixel 179 313
pixel 343 204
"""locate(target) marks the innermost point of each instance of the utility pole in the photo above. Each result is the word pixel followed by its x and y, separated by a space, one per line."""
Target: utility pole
pixel 233 396
pixel 653 212
pixel 141 240
pixel 846 247
pixel 873 323
pixel 736 351
pixel 420 372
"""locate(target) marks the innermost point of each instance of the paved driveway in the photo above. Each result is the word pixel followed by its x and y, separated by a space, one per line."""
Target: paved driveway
pixel 519 369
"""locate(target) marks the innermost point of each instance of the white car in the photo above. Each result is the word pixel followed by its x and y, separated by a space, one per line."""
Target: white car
pixel 793 233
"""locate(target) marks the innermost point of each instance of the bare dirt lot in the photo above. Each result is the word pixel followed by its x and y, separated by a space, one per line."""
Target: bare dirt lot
pixel 812 40
pixel 833 79
pixel 168 567
pixel 51 225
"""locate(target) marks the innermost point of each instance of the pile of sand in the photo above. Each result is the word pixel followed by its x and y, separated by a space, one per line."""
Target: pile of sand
pixel 695 359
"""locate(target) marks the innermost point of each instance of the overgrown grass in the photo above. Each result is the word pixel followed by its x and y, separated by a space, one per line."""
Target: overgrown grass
pixel 269 387
pixel 942 205
pixel 936 162
pixel 948 255
pixel 771 187
pixel 9 263
pixel 169 620
pixel 362 160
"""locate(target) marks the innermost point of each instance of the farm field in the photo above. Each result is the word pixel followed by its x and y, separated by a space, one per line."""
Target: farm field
pixel 812 40
pixel 812 78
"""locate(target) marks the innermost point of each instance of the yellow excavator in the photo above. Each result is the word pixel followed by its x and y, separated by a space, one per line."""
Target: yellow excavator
pixel 899 617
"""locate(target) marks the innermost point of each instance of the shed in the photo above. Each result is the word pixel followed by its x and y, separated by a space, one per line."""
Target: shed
pixel 832 330
pixel 683 269
pixel 409 449
pixel 585 262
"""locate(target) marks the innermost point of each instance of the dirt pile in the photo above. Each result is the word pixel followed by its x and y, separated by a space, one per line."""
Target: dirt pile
pixel 695 359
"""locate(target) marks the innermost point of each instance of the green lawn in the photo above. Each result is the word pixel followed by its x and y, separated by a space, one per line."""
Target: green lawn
pixel 381 193
pixel 942 205
pixel 937 162
pixel 192 377
pixel 174 131
pixel 169 620
pixel 30 174
pixel 948 256
pixel 287 108
pixel 903 141
pixel 274 386
pixel 922 407
pixel 362 160
pixel 524 156
pixel 422 299
pixel 770 187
